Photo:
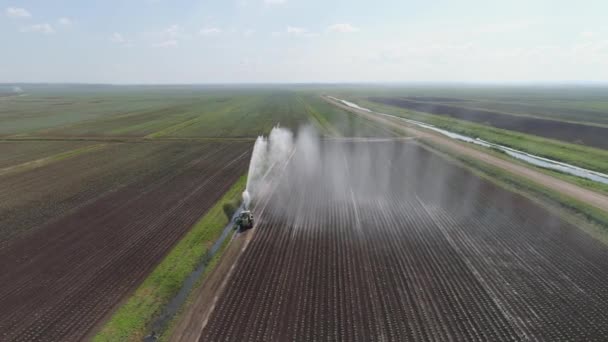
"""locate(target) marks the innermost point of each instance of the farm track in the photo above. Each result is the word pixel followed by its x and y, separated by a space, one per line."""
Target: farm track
pixel 59 280
pixel 424 251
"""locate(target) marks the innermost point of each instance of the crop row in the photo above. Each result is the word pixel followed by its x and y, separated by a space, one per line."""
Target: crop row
pixel 458 260
pixel 59 281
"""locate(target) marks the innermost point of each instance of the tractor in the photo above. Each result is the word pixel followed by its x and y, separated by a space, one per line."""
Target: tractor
pixel 244 221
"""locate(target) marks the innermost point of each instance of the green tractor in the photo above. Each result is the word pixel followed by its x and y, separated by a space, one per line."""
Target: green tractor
pixel 244 221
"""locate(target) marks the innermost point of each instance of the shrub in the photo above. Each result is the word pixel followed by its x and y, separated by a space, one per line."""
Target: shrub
pixel 229 209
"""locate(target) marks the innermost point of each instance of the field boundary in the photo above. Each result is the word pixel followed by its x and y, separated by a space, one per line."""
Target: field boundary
pixel 132 319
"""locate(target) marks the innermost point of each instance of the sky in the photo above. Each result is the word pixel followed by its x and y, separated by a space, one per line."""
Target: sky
pixel 303 41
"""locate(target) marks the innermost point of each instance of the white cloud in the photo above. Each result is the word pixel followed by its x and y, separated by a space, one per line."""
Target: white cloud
pixel 167 44
pixel 17 12
pixel 588 34
pixel 39 28
pixel 343 28
pixel 505 27
pixel 210 31
pixel 173 31
pixel 65 21
pixel 248 32
pixel 119 39
pixel 275 2
pixel 168 37
pixel 296 30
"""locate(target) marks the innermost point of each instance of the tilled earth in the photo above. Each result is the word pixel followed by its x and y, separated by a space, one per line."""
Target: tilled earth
pixel 409 248
pixel 59 280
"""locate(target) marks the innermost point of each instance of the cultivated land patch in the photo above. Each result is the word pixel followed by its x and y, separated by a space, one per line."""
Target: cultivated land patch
pixel 121 111
pixel 594 136
pixel 341 122
pixel 420 250
pixel 18 152
pixel 582 104
pixel 64 107
pixel 35 196
pixel 58 280
pixel 583 156
pixel 249 117
pixel 196 114
pixel 133 320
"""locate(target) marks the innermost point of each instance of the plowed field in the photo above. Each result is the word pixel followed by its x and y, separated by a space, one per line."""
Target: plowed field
pixel 60 279
pixel 390 242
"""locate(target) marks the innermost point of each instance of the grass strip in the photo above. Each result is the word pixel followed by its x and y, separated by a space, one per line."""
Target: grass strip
pixel 582 182
pixel 592 220
pixel 168 332
pixel 132 320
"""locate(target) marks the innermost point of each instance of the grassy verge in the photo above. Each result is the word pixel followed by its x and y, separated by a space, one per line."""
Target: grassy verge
pixel 594 221
pixel 579 155
pixel 131 321
pixel 166 335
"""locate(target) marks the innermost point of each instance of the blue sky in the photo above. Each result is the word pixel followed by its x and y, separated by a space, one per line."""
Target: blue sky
pixel 230 41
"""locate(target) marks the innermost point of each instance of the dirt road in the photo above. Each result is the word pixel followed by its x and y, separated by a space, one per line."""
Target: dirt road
pixel 587 196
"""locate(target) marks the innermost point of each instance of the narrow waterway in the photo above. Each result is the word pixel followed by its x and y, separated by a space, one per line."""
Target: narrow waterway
pixel 520 155
pixel 171 308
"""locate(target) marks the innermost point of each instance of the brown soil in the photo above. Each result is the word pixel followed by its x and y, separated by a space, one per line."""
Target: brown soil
pixel 58 281
pixel 433 253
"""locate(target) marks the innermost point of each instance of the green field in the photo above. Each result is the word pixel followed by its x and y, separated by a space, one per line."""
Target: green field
pixel 107 112
pixel 63 147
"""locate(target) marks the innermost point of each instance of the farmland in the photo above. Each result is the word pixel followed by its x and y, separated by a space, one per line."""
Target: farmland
pixel 569 132
pixel 585 104
pixel 15 153
pixel 574 154
pixel 155 112
pixel 61 278
pixel 99 184
pixel 112 195
pixel 422 250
